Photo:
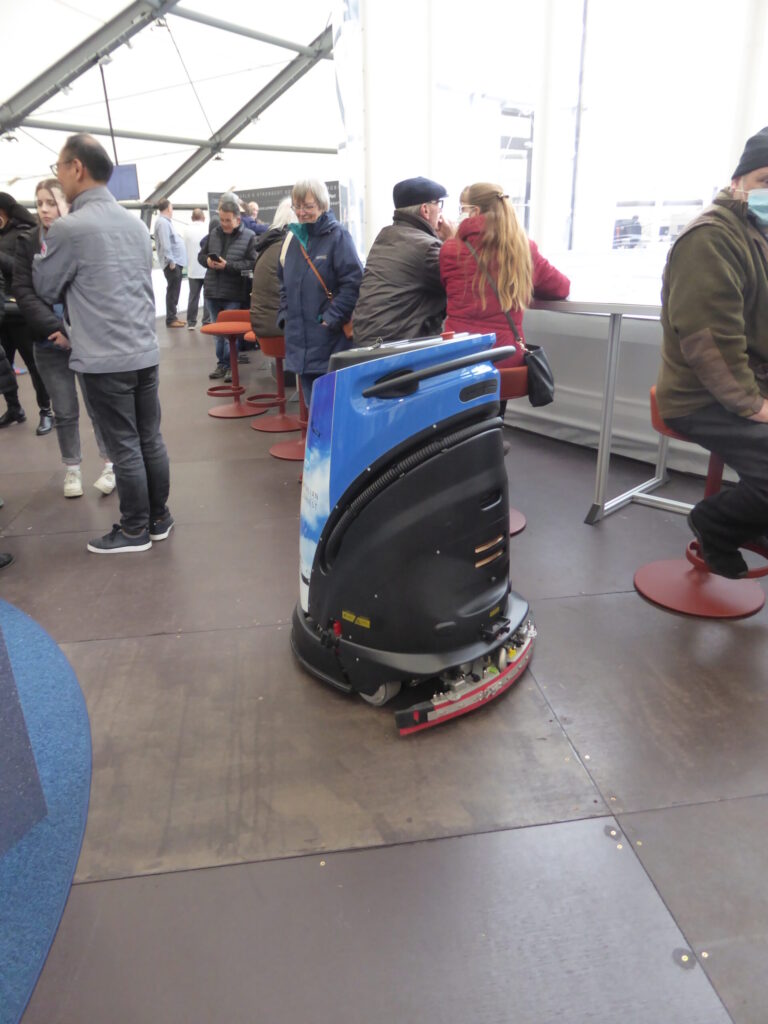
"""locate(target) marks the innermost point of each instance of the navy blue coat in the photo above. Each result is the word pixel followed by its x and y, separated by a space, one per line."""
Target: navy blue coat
pixel 312 322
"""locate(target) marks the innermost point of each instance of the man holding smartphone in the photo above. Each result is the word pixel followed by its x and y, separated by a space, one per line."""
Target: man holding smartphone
pixel 228 254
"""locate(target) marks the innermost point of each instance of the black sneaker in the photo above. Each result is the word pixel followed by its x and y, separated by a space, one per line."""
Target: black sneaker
pixel 727 562
pixel 114 542
pixel 5 560
pixel 12 416
pixel 160 528
pixel 228 376
pixel 218 373
pixel 243 358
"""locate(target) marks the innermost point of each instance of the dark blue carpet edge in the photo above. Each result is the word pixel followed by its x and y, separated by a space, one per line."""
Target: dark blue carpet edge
pixel 36 874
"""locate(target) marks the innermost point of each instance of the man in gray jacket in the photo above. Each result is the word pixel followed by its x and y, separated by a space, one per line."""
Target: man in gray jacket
pixel 401 295
pixel 98 261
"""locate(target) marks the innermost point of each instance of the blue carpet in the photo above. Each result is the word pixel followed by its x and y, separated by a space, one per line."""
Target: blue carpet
pixel 45 779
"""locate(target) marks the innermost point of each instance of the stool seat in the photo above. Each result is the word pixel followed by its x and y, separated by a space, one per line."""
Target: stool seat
pixel 514 382
pixel 225 329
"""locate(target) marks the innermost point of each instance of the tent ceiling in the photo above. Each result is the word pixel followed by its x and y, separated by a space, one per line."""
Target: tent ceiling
pixel 173 90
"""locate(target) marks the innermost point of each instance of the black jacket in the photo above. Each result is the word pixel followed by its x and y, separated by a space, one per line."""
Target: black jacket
pixel 9 235
pixel 8 381
pixel 233 283
pixel 40 318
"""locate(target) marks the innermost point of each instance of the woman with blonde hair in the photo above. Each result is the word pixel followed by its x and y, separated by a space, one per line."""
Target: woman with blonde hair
pixel 491 269
pixel 52 347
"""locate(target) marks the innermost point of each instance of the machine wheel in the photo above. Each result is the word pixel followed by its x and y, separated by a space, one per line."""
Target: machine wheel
pixel 384 693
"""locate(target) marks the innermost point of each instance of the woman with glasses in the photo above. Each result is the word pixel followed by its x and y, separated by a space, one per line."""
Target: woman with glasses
pixel 52 347
pixel 319 273
pixel 491 269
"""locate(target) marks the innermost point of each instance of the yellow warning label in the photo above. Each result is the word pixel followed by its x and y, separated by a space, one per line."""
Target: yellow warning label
pixel 494 611
pixel 365 623
pixel 348 616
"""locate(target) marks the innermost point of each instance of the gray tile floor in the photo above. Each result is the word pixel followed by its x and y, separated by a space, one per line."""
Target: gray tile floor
pixel 262 848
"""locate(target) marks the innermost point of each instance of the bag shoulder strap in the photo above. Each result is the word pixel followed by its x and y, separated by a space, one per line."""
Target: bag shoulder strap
pixel 492 283
pixel 316 272
pixel 284 250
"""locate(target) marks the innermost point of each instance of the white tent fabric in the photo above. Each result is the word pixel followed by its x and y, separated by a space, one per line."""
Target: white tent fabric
pixel 176 78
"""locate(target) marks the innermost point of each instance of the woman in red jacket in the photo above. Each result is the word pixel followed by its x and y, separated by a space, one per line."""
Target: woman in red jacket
pixel 505 273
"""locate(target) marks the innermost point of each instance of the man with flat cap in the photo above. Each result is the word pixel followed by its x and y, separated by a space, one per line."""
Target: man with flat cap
pixel 401 295
pixel 713 381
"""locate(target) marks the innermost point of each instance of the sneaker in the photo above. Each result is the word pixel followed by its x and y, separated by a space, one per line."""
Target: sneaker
pixel 721 561
pixel 160 528
pixel 243 359
pixel 191 327
pixel 106 482
pixel 115 541
pixel 5 560
pixel 218 373
pixel 73 483
pixel 177 323
pixel 12 416
pixel 228 377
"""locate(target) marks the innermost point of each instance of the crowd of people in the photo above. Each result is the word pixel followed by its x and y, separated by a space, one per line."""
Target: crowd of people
pixel 82 310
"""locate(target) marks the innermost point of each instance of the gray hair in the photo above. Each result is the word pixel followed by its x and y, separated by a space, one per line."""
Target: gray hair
pixel 415 211
pixel 314 187
pixel 283 214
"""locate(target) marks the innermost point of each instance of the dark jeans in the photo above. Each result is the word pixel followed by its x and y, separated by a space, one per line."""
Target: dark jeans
pixel 173 278
pixel 127 408
pixel 195 287
pixel 16 338
pixel 216 306
pixel 307 382
pixel 740 513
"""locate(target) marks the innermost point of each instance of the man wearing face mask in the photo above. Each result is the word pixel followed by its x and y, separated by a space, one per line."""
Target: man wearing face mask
pixel 401 295
pixel 713 381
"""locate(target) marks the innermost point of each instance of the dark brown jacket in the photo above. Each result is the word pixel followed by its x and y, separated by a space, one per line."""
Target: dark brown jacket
pixel 715 314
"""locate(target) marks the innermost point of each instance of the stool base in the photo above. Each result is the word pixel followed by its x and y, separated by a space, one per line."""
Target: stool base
pixel 517 522
pixel 677 585
pixel 234 411
pixel 279 424
pixel 291 451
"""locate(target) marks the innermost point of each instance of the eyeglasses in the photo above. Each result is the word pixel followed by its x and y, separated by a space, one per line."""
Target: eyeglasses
pixel 436 202
pixel 61 163
pixel 304 207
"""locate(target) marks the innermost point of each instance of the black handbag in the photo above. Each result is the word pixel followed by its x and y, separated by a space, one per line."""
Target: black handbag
pixel 541 380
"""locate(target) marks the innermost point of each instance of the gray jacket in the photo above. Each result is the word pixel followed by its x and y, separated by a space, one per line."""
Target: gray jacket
pixel 98 261
pixel 401 295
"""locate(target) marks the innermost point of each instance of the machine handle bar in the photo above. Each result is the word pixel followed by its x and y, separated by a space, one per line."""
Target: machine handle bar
pixel 395 385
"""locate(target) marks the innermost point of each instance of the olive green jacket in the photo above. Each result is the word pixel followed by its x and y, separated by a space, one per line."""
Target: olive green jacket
pixel 715 314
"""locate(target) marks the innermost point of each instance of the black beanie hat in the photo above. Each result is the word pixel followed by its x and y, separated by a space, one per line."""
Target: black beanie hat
pixel 415 191
pixel 755 154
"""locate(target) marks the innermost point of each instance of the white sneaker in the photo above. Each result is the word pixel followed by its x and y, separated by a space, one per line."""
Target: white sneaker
pixel 106 482
pixel 191 327
pixel 73 483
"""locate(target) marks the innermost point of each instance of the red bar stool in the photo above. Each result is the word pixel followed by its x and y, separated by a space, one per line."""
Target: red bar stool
pixel 685 584
pixel 293 451
pixel 514 384
pixel 279 423
pixel 232 324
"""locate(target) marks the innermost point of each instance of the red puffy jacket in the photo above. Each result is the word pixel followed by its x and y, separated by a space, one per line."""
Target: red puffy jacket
pixel 457 268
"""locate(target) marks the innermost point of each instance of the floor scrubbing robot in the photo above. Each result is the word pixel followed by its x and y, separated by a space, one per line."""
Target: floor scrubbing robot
pixel 404 559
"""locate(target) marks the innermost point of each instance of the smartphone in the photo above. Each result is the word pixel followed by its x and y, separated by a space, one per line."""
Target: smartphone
pixel 214 256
